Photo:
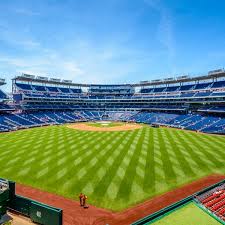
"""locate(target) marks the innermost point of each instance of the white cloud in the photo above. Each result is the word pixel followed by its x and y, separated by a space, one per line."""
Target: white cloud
pixel 26 12
pixel 80 59
pixel 72 67
pixel 165 32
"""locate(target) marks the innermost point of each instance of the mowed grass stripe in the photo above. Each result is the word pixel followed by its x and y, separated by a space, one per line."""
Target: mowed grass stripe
pixel 126 183
pixel 115 169
pixel 102 186
pixel 149 184
pixel 210 143
pixel 79 169
pixel 203 148
pixel 183 162
pixel 172 154
pixel 58 156
pixel 92 171
pixel 170 175
pixel 202 166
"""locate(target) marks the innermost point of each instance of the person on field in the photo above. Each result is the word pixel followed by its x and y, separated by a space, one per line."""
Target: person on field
pixel 81 197
pixel 85 201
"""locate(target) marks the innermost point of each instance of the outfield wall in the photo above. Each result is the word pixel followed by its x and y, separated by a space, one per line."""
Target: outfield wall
pixel 36 211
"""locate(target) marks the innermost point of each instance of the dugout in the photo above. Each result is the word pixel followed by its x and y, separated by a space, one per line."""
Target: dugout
pixel 155 125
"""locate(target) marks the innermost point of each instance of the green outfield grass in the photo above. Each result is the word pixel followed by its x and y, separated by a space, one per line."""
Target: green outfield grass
pixel 115 169
pixel 187 215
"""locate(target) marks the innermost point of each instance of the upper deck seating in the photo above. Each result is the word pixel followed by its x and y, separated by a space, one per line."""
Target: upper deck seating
pixel 76 91
pixel 64 90
pixel 218 84
pixel 25 87
pixel 39 88
pixel 187 87
pixel 146 90
pixel 202 85
pixel 160 89
pixel 173 88
pixel 45 89
pixel 52 89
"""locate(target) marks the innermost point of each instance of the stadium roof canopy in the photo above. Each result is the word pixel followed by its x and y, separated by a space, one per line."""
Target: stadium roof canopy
pixel 182 79
pixel 46 80
pixel 220 73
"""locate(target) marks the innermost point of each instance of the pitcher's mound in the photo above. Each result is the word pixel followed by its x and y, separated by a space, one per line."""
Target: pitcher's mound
pixel 115 127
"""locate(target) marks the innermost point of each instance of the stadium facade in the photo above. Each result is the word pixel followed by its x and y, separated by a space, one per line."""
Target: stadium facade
pixel 193 103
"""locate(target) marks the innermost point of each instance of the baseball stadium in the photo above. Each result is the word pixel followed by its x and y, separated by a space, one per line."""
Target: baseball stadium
pixel 112 112
pixel 144 153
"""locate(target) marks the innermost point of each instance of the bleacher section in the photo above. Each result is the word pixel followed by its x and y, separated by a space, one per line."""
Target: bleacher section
pixel 197 122
pixel 214 201
pixel 153 118
pixel 26 120
pixel 207 124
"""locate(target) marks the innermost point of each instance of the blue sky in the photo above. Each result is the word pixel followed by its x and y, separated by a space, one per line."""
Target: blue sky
pixel 111 41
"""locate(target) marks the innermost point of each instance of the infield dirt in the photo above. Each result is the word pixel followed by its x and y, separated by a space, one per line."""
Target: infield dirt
pixel 87 127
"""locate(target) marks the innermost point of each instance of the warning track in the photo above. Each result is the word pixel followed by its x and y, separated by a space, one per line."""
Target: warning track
pixel 73 214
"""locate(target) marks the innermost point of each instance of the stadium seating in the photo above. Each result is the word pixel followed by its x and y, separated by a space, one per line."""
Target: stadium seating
pixel 212 197
pixel 197 105
pixel 187 87
pixel 208 124
pixel 2 95
pixel 214 201
pixel 53 89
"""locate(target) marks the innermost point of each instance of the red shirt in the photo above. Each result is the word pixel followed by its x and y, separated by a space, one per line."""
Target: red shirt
pixel 81 196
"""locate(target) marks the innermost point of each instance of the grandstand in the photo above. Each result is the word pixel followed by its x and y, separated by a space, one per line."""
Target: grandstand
pixel 214 201
pixel 193 103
